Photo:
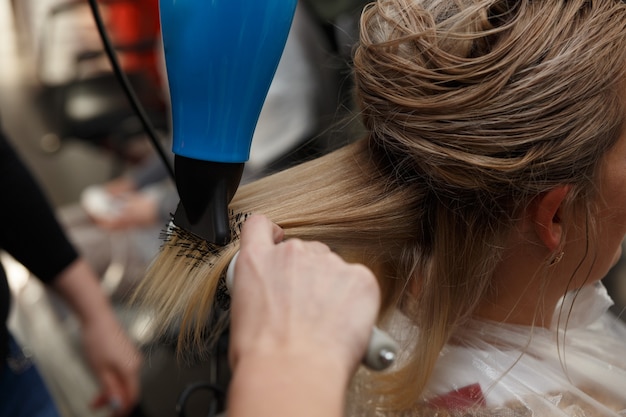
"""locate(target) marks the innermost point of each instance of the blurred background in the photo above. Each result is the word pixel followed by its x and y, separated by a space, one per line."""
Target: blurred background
pixel 65 113
pixel 67 117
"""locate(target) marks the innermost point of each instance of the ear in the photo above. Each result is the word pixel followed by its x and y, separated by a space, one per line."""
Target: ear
pixel 546 216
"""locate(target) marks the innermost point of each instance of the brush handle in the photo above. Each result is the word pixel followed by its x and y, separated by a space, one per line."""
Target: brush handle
pixel 382 350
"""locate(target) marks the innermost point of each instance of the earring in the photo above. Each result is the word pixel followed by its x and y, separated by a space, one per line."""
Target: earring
pixel 557 258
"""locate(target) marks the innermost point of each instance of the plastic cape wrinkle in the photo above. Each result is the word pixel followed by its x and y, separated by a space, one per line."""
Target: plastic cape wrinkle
pixel 513 370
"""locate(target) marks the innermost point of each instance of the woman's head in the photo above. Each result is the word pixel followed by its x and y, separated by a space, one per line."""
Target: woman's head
pixel 483 106
pixel 491 103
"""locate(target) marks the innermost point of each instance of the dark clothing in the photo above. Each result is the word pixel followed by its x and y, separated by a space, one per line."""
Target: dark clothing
pixel 4 313
pixel 30 232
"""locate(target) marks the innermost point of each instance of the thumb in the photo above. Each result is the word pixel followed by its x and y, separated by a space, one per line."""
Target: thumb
pixel 111 395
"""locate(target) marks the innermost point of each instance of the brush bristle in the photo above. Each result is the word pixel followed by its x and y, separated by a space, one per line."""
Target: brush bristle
pixel 201 252
pixel 193 247
pixel 182 267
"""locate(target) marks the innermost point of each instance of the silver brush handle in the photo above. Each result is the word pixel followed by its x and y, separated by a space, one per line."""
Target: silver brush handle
pixel 382 350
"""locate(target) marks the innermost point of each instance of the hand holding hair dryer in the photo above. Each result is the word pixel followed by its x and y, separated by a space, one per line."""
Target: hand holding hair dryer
pixel 221 56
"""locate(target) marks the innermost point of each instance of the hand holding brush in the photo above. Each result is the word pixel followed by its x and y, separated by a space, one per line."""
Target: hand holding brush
pixel 310 286
pixel 301 320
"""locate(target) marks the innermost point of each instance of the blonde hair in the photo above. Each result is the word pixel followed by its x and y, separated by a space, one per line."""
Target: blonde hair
pixel 472 107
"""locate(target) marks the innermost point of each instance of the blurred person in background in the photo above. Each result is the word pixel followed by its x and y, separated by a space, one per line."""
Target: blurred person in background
pixel 32 235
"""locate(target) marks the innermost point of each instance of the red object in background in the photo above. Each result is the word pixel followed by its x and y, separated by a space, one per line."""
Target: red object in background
pixel 461 399
pixel 134 29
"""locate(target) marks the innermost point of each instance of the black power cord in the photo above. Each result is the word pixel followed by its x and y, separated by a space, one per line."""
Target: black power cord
pixel 128 89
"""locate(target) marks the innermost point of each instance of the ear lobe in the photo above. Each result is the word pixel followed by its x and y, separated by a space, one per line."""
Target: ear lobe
pixel 546 216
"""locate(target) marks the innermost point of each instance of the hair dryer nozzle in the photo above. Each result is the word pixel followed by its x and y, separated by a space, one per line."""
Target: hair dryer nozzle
pixel 205 189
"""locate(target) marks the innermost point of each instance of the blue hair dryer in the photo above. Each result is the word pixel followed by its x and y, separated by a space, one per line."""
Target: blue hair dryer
pixel 221 56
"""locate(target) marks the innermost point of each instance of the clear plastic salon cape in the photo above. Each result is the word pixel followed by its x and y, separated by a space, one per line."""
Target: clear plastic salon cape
pixel 576 368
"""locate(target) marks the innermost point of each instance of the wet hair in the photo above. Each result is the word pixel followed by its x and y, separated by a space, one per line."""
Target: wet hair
pixel 481 106
pixel 472 109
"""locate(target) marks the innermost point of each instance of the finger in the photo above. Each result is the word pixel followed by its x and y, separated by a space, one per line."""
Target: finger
pixel 99 401
pixel 316 247
pixel 113 404
pixel 308 247
pixel 127 382
pixel 258 230
pixel 131 384
pixel 278 233
pixel 112 395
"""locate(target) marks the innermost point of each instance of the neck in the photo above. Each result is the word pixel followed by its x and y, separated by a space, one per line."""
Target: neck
pixel 521 292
